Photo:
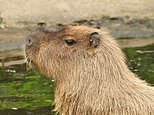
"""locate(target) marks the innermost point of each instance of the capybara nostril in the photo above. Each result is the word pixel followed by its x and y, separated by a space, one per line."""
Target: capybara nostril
pixel 29 42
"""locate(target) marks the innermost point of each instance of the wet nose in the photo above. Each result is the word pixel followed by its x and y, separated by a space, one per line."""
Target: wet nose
pixel 29 41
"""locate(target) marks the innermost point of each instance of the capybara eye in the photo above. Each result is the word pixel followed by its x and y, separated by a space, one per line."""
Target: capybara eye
pixel 69 42
pixel 29 42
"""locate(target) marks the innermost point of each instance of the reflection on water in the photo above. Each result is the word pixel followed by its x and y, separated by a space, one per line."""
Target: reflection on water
pixel 24 92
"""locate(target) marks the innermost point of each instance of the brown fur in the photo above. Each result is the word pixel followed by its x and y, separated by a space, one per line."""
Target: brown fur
pixel 90 81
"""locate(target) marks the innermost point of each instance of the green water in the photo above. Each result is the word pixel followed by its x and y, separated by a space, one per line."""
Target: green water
pixel 141 61
pixel 29 91
pixel 25 90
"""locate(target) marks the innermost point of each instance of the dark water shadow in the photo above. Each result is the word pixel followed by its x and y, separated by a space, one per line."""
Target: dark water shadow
pixel 38 111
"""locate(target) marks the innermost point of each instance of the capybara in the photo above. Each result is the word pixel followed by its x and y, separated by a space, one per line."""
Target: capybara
pixel 90 73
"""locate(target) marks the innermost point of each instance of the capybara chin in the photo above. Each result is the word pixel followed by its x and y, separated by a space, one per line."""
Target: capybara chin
pixel 90 72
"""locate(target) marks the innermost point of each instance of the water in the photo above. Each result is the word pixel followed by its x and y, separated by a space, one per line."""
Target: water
pixel 24 92
pixel 38 111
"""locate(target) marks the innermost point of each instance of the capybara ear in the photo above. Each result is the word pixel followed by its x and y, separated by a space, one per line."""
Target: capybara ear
pixel 94 39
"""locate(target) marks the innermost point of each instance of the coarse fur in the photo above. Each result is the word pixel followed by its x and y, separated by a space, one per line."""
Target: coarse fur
pixel 89 80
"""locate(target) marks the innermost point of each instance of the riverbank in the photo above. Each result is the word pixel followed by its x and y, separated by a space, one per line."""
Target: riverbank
pixel 119 27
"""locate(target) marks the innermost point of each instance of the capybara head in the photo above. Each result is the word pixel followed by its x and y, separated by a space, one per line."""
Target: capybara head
pixel 71 49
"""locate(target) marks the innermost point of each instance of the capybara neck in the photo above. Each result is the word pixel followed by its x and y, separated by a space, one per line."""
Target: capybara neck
pixel 90 73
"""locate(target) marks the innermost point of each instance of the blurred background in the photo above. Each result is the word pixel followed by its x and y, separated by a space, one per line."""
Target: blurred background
pixel 27 92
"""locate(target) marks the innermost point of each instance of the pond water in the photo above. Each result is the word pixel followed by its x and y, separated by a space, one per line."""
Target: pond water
pixel 26 92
